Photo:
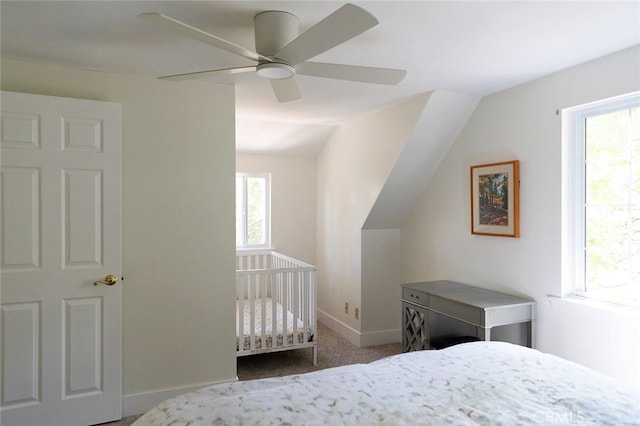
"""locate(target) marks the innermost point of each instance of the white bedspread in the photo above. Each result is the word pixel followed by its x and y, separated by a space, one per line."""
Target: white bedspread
pixel 473 383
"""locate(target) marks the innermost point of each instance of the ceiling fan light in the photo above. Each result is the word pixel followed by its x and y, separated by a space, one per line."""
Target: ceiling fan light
pixel 275 70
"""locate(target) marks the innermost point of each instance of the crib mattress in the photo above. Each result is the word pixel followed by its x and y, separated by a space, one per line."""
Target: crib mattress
pixel 272 338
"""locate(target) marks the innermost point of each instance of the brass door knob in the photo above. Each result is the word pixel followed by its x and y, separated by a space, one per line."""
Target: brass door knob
pixel 108 280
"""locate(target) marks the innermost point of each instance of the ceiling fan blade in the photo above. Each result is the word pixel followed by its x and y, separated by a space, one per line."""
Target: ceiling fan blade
pixel 204 74
pixel 374 75
pixel 342 25
pixel 285 89
pixel 189 31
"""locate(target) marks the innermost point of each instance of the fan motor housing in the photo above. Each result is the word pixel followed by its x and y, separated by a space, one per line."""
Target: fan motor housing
pixel 274 29
pixel 275 70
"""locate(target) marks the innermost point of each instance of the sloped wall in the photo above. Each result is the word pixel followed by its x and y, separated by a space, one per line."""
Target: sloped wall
pixel 370 174
pixel 441 121
pixel 352 169
pixel 521 123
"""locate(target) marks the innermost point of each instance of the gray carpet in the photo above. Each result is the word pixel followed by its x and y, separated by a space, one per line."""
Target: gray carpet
pixel 333 351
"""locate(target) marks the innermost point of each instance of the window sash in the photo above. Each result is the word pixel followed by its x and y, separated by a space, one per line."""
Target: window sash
pixel 576 207
pixel 242 210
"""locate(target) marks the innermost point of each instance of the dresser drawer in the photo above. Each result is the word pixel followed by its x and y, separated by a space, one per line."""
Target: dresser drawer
pixel 415 296
pixel 471 314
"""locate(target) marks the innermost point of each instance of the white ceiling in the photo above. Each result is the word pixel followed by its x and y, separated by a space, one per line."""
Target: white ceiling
pixel 472 47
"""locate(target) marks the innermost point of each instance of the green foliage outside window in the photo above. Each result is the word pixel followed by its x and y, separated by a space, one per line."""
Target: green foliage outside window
pixel 612 205
pixel 256 203
pixel 252 210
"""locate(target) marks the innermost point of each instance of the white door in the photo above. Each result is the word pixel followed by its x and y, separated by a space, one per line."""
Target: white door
pixel 61 231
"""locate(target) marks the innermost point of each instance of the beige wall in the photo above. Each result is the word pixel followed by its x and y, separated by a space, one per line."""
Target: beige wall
pixel 352 169
pixel 178 222
pixel 293 201
pixel 521 123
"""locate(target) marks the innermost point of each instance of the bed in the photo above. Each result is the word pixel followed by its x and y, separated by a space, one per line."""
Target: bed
pixel 275 303
pixel 471 383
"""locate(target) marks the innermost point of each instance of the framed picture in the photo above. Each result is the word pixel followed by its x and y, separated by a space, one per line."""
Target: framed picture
pixel 495 200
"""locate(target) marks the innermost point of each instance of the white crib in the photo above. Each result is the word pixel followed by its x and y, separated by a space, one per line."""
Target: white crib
pixel 275 303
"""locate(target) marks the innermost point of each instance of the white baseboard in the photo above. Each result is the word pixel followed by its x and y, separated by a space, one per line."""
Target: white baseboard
pixel 359 339
pixel 383 337
pixel 140 403
pixel 339 327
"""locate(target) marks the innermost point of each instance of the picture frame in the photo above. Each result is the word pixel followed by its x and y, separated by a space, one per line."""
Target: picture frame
pixel 495 199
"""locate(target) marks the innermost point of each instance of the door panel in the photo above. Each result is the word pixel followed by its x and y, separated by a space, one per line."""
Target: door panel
pixel 61 231
pixel 82 341
pixel 82 218
pixel 21 223
pixel 21 354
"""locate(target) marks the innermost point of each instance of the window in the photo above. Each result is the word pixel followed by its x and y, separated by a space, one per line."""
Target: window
pixel 252 210
pixel 602 199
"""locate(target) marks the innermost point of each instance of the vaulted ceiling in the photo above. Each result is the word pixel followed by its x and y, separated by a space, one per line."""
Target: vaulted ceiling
pixel 469 47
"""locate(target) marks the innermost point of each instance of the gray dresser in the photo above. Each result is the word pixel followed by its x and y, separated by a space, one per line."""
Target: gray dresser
pixel 477 310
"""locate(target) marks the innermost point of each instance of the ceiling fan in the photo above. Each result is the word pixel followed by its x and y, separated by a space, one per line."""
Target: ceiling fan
pixel 281 52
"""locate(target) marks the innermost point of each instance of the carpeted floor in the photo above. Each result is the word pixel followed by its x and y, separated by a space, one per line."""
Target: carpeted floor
pixel 333 351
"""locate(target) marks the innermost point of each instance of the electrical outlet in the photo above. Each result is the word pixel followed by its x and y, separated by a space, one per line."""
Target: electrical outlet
pixel 346 308
pixel 356 313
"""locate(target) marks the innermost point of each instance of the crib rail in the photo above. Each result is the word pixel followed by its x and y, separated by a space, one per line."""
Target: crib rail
pixel 247 260
pixel 280 297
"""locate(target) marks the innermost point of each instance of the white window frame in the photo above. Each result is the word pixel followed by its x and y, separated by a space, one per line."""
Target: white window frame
pixel 245 231
pixel 574 191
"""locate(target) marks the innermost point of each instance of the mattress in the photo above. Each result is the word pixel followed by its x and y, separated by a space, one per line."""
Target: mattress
pixel 484 383
pixel 271 335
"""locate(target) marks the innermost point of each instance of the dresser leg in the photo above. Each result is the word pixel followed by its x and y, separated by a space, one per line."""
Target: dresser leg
pixel 484 333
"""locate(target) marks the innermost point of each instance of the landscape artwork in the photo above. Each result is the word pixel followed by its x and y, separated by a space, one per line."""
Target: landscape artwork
pixel 494 199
